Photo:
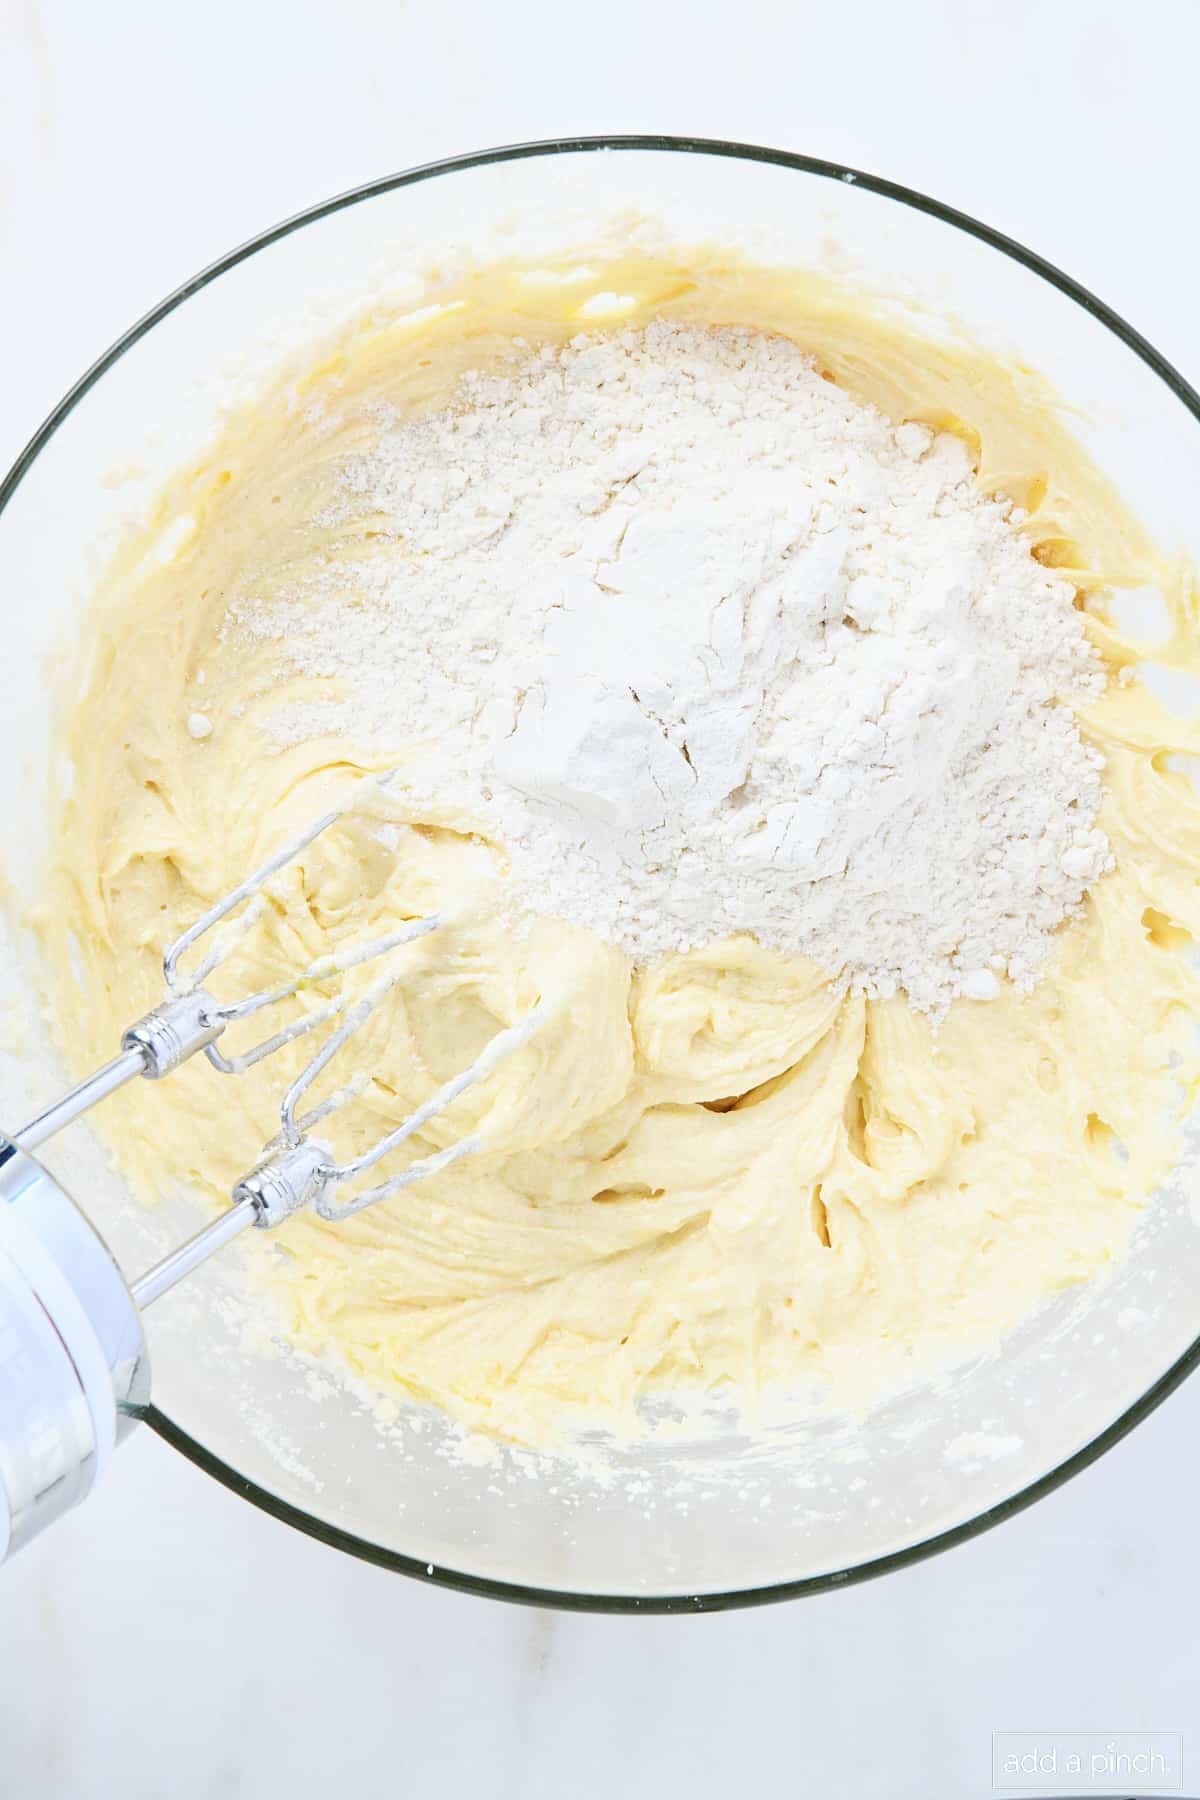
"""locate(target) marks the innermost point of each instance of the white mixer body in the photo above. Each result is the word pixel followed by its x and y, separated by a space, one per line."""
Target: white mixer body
pixel 74 1370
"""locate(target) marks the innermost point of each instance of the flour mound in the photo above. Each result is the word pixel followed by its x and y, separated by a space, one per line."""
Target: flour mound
pixel 708 646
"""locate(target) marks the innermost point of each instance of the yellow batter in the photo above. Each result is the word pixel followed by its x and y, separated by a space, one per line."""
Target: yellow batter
pixel 707 1173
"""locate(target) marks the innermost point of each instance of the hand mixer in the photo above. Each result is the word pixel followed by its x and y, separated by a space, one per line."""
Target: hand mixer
pixel 74 1367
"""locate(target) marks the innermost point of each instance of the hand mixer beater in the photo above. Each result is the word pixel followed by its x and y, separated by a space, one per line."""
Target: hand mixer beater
pixel 74 1370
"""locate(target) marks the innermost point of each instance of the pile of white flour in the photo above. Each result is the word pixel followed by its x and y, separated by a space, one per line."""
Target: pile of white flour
pixel 711 647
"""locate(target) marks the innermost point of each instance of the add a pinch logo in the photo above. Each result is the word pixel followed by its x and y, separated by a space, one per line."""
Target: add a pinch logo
pixel 1128 1763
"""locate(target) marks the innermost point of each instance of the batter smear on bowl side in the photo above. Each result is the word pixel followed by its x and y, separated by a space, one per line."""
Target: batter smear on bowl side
pixel 758 710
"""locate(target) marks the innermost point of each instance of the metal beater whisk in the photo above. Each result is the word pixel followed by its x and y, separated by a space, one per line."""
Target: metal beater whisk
pixel 296 1169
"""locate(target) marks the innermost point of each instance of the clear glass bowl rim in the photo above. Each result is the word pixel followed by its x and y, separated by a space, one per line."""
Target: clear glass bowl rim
pixel 165 1427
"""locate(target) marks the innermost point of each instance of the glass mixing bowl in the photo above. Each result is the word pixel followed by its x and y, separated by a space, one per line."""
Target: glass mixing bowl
pixel 667 1525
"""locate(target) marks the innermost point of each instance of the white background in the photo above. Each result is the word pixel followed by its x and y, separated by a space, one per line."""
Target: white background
pixel 170 1641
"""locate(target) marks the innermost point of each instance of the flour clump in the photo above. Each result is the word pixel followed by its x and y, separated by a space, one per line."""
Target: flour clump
pixel 705 645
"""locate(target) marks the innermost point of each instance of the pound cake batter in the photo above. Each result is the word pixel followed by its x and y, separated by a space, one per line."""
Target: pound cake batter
pixel 796 1150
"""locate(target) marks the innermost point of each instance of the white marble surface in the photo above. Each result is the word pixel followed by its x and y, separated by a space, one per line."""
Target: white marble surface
pixel 170 1641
